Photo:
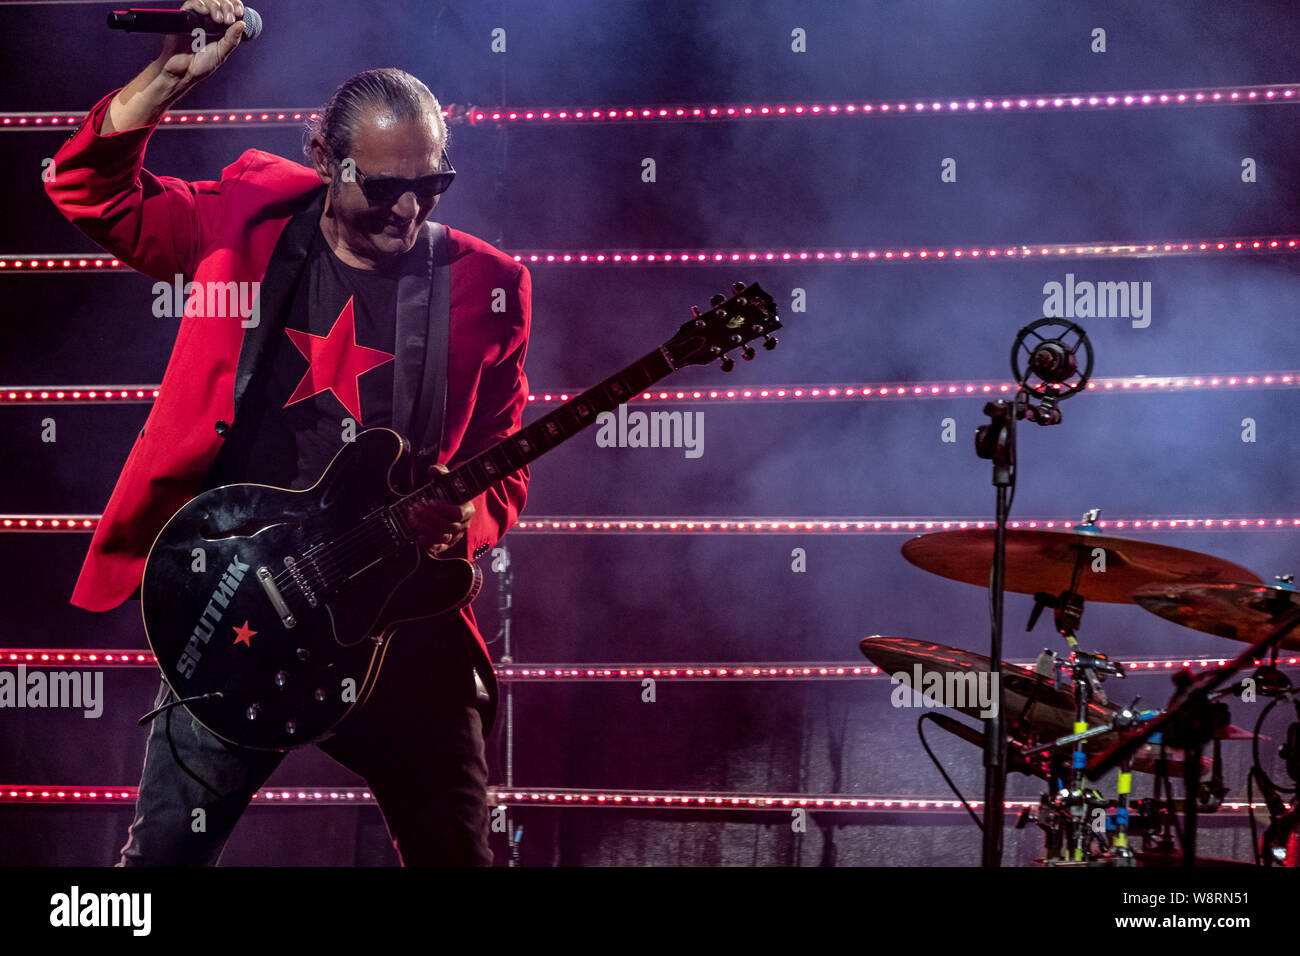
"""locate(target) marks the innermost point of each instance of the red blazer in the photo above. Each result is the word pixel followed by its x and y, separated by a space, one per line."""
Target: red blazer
pixel 226 231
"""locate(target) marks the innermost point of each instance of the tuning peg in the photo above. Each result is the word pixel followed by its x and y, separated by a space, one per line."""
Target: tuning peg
pixel 748 353
pixel 728 364
pixel 737 287
pixel 717 300
pixel 770 342
pixel 695 311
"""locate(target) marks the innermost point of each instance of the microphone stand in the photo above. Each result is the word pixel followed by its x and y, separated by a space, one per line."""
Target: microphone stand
pixel 997 441
pixel 1055 364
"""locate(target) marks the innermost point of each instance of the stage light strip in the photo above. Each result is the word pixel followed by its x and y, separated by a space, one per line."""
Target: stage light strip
pixel 46 523
pixel 112 394
pixel 618 524
pixel 61 657
pixel 730 672
pixel 726 800
pixel 1235 245
pixel 26 121
pixel 796 671
pixel 1246 95
pixel 1241 95
pixel 32 264
pixel 120 796
pixel 551 797
pixel 37 121
pixel 1132 384
pixel 877 525
pixel 843 392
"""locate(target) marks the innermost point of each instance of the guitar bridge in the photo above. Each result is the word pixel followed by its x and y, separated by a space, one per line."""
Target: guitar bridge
pixel 277 600
pixel 301 580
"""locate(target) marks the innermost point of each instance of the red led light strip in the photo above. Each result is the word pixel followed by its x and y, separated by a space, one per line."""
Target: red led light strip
pixel 119 796
pixel 1243 245
pixel 1243 95
pixel 1133 384
pixel 51 657
pixel 47 523
pixel 176 119
pixel 1041 102
pixel 27 121
pixel 95 394
pixel 28 523
pixel 877 525
pixel 1238 245
pixel 796 671
pixel 550 797
pixel 712 800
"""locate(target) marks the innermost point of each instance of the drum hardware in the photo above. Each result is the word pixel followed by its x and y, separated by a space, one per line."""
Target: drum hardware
pixel 1189 719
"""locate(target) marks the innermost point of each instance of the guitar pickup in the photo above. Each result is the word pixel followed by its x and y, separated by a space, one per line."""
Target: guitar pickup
pixel 277 600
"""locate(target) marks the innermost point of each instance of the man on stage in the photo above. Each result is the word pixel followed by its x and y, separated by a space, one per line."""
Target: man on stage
pixel 369 315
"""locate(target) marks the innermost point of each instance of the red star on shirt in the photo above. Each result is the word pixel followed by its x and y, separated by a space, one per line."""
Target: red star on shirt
pixel 242 634
pixel 336 362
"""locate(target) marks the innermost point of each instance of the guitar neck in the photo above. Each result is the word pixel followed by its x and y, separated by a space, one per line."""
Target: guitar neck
pixel 470 479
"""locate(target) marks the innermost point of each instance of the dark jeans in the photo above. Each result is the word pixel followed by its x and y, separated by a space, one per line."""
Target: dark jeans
pixel 417 741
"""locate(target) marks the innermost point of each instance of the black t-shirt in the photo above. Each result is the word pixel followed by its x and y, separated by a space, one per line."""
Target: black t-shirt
pixel 330 360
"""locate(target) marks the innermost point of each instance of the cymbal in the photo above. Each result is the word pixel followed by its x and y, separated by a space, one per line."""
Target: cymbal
pixel 1239 612
pixel 1046 561
pixel 1037 710
pixel 1032 702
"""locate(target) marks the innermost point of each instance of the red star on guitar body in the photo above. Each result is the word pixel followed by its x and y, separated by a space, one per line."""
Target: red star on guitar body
pixel 336 362
pixel 242 634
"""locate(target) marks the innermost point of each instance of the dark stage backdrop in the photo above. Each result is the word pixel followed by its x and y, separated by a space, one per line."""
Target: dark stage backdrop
pixel 806 182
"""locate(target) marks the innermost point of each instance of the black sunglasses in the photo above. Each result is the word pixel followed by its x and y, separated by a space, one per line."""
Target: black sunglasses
pixel 387 190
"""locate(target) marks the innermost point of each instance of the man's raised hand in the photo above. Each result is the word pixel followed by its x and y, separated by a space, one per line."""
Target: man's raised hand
pixel 182 63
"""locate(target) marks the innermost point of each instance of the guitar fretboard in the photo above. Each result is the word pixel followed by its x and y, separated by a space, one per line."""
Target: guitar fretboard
pixel 470 479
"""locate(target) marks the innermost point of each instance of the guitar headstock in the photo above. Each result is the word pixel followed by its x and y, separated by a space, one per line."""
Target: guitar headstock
pixel 727 324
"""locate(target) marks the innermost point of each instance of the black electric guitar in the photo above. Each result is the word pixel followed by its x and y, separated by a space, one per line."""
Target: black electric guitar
pixel 269 610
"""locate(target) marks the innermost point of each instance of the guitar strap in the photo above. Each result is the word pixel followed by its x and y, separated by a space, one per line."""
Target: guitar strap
pixel 421 346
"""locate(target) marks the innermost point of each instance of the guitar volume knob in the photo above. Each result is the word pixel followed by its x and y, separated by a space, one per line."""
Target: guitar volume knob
pixel 253 710
pixel 281 678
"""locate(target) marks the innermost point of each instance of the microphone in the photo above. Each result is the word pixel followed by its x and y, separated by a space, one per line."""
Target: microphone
pixel 1055 363
pixel 139 20
pixel 1052 362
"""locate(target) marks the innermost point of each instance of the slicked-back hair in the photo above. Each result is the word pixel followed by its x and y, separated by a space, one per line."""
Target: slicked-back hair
pixel 393 91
